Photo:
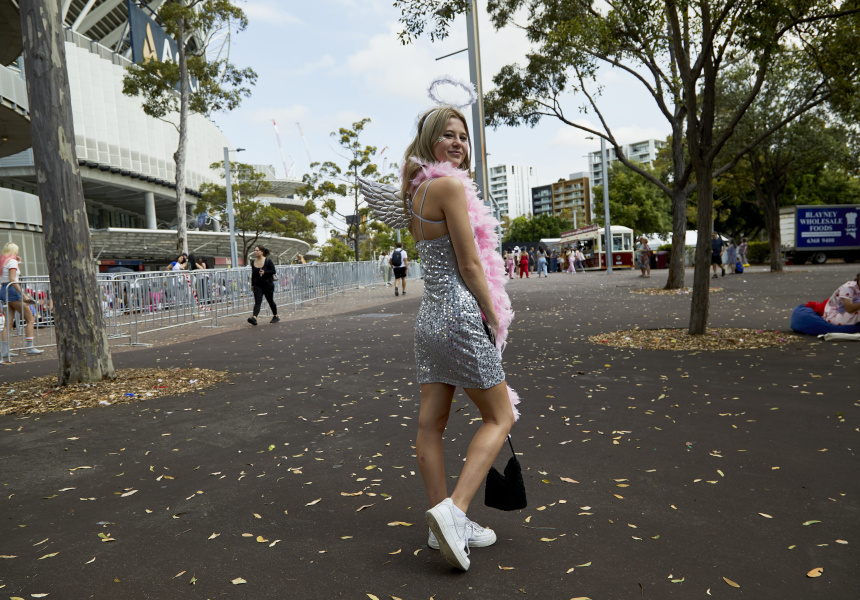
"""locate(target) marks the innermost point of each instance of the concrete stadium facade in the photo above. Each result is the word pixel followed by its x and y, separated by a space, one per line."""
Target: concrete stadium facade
pixel 125 157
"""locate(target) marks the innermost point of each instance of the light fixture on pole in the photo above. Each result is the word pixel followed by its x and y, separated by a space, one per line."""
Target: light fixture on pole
pixel 607 229
pixel 234 257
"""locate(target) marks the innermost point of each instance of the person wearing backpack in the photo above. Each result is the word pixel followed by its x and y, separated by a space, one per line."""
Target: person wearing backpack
pixel 400 265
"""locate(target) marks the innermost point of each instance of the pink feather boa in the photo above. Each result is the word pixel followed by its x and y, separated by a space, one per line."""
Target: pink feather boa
pixel 487 243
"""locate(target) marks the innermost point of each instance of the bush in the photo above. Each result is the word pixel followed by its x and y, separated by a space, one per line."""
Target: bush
pixel 665 248
pixel 758 252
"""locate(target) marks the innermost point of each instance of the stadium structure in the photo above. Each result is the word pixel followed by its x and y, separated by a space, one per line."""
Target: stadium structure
pixel 125 156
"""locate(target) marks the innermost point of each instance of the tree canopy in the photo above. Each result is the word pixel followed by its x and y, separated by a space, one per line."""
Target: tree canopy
pixel 675 52
pixel 221 86
pixel 635 202
pixel 253 217
pixel 329 181
pixel 529 228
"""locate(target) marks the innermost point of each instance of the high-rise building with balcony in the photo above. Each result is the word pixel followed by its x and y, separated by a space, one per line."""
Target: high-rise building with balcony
pixel 642 152
pixel 511 187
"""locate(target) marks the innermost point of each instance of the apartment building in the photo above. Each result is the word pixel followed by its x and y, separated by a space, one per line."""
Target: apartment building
pixel 641 152
pixel 511 187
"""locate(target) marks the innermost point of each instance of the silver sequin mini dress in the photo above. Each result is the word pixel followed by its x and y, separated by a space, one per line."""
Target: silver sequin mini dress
pixel 451 345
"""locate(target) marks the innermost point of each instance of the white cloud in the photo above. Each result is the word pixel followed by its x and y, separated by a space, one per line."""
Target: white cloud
pixel 270 12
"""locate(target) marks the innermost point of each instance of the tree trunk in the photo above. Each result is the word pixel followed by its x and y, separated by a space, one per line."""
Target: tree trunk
pixel 771 221
pixel 677 267
pixel 701 276
pixel 179 156
pixel 679 238
pixel 82 342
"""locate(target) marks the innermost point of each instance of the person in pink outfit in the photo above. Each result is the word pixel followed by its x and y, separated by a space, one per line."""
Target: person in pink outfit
pixel 843 308
pixel 524 264
pixel 509 259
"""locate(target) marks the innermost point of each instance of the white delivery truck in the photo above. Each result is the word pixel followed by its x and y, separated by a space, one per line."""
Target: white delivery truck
pixel 816 233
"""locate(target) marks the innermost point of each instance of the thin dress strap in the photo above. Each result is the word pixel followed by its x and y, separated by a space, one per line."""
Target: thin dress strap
pixel 421 210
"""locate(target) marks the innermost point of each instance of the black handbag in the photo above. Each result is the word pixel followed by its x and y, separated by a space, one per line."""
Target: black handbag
pixel 508 491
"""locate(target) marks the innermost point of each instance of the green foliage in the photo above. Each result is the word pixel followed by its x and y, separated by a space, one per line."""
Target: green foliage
pixel 792 165
pixel 329 181
pixel 380 238
pixel 252 217
pixel 758 252
pixel 635 202
pixel 533 229
pixel 221 85
pixel 335 250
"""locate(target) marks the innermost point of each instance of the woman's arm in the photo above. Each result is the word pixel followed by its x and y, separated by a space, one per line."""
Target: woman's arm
pixel 269 267
pixel 449 195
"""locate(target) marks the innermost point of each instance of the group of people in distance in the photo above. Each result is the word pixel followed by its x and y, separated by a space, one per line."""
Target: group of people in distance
pixel 520 261
pixel 736 256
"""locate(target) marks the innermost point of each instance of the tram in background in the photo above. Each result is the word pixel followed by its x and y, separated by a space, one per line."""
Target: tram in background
pixel 591 241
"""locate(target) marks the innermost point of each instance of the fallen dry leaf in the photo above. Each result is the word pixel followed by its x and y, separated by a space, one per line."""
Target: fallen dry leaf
pixel 399 524
pixel 313 502
pixel 816 572
pixel 238 581
pixel 730 582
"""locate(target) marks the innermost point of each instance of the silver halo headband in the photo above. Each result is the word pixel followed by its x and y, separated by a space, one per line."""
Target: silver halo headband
pixel 469 88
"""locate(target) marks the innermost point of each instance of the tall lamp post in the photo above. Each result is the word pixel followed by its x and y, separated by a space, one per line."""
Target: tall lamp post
pixel 606 226
pixel 607 231
pixel 234 257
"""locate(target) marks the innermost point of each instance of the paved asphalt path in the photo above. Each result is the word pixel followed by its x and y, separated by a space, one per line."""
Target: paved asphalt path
pixel 675 457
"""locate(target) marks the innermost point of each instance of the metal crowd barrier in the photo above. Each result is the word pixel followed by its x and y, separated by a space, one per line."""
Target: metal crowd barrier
pixel 134 304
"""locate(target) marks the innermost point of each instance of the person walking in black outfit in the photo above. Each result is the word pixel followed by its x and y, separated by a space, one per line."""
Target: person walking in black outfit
pixel 263 283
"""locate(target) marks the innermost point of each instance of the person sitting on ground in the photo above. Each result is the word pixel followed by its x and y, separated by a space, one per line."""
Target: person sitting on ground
pixel 843 308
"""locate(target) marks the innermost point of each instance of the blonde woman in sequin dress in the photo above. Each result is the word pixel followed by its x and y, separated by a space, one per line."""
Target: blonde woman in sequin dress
pixel 451 346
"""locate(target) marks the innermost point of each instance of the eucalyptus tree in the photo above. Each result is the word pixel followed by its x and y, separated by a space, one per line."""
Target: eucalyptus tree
pixel 675 50
pixel 83 351
pixel 221 86
pixel 803 146
pixel 329 181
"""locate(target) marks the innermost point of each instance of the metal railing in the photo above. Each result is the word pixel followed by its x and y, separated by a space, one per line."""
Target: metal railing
pixel 134 304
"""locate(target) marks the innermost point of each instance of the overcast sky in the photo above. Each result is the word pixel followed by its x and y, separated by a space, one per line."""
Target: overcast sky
pixel 330 63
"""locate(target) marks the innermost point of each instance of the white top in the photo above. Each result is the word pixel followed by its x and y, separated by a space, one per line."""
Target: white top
pixel 402 257
pixel 383 260
pixel 176 267
pixel 12 264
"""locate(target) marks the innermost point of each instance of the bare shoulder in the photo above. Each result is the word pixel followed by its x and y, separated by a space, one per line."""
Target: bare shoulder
pixel 445 188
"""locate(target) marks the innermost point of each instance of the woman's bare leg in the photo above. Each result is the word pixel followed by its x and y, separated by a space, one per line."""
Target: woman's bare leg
pixel 498 416
pixel 432 419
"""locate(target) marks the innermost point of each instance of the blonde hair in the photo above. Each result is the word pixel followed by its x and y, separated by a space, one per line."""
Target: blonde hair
pixel 10 248
pixel 431 126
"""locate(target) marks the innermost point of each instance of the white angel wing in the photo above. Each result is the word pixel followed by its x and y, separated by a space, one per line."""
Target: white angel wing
pixel 386 203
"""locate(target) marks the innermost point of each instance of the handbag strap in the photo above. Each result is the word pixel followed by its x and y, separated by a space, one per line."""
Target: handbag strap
pixel 511 445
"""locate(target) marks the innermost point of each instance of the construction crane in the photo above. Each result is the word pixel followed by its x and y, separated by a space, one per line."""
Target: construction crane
pixel 287 172
pixel 308 150
pixel 384 160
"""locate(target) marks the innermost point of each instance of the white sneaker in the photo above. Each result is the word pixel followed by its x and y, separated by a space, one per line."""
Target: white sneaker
pixel 480 537
pixel 452 532
pixel 31 350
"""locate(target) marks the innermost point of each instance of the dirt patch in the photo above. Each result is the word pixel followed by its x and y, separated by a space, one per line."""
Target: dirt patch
pixel 680 339
pixel 41 394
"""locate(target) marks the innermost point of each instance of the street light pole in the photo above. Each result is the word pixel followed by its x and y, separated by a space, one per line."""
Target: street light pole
pixel 607 229
pixel 478 121
pixel 234 258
